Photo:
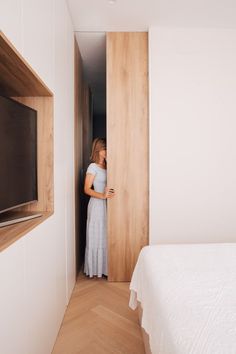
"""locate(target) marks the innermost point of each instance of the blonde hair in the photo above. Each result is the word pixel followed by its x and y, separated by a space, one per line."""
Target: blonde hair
pixel 98 145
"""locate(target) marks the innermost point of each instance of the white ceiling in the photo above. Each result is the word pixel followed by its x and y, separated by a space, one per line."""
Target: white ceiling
pixel 137 15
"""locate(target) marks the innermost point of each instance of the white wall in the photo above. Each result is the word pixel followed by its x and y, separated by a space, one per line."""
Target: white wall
pixel 37 273
pixel 192 135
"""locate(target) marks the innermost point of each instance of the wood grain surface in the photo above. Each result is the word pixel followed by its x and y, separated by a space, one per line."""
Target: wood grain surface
pixel 127 144
pixel 20 82
pixel 98 320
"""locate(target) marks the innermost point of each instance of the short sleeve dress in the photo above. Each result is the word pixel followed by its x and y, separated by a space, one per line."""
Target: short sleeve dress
pixel 96 231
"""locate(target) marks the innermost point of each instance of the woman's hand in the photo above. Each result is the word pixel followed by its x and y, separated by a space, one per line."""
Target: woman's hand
pixel 109 193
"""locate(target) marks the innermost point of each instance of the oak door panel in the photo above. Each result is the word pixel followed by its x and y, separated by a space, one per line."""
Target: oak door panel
pixel 127 145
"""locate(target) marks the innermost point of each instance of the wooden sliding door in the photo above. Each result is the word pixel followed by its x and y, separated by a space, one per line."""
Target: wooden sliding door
pixel 127 144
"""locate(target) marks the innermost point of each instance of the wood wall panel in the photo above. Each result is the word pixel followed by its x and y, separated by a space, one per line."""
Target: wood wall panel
pixel 17 77
pixel 83 142
pixel 127 144
pixel 78 81
pixel 19 81
pixel 87 130
pixel 87 126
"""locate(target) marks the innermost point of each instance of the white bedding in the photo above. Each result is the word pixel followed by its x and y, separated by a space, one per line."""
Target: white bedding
pixel 188 297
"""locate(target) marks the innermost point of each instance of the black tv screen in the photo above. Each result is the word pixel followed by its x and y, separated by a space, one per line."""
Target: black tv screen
pixel 18 154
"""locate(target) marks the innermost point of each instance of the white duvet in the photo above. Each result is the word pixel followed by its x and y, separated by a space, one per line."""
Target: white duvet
pixel 188 297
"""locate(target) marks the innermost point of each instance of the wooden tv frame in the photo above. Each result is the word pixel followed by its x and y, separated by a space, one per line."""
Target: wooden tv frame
pixel 20 82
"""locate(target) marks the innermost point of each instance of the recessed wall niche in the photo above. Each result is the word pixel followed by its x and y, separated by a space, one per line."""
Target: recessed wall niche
pixel 20 82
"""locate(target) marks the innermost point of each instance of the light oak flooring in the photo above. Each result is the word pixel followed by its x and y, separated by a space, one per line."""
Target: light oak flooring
pixel 99 321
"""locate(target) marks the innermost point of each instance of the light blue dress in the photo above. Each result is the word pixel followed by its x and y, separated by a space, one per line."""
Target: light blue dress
pixel 96 229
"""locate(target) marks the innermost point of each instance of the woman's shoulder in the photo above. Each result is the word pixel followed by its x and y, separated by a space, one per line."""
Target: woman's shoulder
pixel 92 164
pixel 92 168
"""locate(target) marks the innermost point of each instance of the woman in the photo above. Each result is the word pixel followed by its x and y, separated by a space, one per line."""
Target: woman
pixel 96 235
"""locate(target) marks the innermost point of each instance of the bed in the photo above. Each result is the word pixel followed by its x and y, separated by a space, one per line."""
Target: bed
pixel 187 295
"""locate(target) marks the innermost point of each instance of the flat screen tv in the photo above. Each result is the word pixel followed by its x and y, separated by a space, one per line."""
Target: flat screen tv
pixel 18 154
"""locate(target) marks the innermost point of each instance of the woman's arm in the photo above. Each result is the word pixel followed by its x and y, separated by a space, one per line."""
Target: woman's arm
pixel 92 193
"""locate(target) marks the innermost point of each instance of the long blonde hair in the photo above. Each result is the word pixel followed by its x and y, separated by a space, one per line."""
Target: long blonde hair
pixel 98 145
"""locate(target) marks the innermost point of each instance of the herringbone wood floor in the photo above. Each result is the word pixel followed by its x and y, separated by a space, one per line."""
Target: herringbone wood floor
pixel 99 321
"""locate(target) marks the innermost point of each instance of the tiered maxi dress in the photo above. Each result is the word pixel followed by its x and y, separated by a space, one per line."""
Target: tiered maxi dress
pixel 96 232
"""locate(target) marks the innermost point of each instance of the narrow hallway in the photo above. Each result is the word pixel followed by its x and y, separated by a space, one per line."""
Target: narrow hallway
pixel 99 321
